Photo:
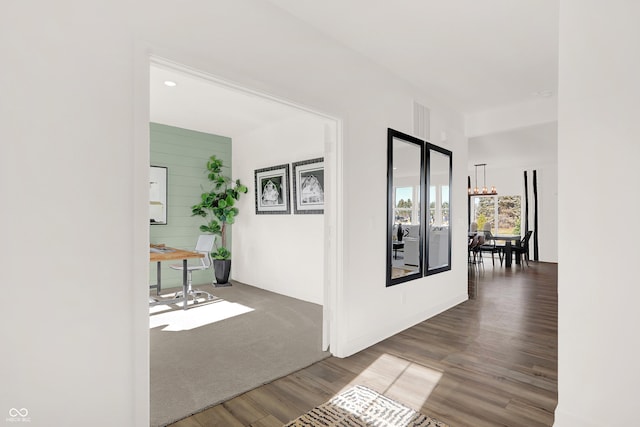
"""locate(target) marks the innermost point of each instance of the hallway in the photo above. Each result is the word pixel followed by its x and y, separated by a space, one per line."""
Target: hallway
pixel 491 360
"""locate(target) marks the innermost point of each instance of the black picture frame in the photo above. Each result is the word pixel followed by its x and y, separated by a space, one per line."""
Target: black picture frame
pixel 272 193
pixel 158 195
pixel 308 186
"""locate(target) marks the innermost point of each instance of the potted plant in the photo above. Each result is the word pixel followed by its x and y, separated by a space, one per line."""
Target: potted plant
pixel 218 207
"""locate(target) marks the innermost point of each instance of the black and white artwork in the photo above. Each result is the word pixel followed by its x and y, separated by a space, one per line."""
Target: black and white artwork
pixel 272 190
pixel 308 186
pixel 158 195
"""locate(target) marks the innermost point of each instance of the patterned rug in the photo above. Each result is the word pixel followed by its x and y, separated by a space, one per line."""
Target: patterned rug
pixel 360 406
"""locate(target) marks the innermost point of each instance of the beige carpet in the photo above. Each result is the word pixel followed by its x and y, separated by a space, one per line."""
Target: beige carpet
pixel 360 406
pixel 217 350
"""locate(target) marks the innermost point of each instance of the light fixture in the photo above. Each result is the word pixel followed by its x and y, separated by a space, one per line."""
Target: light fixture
pixel 483 191
pixel 170 83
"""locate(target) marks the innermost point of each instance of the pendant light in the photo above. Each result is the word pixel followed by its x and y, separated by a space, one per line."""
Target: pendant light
pixel 484 191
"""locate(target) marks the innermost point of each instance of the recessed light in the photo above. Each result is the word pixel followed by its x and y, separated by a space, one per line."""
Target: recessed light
pixel 170 83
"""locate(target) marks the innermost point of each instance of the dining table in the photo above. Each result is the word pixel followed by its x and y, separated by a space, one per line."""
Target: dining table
pixel 509 240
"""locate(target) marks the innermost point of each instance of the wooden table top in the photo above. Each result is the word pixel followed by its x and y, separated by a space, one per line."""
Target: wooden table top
pixel 172 254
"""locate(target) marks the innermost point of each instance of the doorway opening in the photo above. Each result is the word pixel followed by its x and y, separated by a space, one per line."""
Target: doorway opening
pixel 264 131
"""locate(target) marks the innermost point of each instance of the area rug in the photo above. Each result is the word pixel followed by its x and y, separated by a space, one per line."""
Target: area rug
pixel 361 406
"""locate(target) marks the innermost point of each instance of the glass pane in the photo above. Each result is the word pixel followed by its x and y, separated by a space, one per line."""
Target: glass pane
pixel 439 173
pixel 509 212
pixel 407 203
pixel 445 205
pixel 484 211
pixel 432 205
pixel 406 254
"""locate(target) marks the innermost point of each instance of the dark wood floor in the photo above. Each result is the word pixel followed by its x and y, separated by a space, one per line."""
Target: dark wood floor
pixel 491 361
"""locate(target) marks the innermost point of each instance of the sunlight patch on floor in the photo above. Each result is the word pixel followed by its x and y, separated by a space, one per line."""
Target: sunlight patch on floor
pixel 196 316
pixel 400 379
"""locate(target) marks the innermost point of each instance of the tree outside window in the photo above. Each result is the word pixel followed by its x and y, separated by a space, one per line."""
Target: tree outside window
pixel 444 212
pixel 507 209
pixel 439 194
pixel 406 211
pixel 403 211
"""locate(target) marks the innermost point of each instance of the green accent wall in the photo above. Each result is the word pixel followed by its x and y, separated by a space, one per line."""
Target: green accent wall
pixel 185 153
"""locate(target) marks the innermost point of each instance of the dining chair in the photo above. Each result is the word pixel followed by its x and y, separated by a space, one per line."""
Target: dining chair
pixel 474 248
pixel 490 245
pixel 472 243
pixel 204 245
pixel 522 250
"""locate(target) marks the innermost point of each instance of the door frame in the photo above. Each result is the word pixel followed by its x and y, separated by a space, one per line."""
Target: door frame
pixel 333 213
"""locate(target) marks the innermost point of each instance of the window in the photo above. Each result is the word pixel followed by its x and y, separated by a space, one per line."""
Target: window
pixel 407 205
pixel 508 210
pixel 439 205
pixel 484 211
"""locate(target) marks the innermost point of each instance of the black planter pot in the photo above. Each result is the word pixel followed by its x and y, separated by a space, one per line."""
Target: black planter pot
pixel 222 268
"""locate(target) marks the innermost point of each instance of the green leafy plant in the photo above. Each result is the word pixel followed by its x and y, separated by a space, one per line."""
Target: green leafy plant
pixel 221 253
pixel 218 205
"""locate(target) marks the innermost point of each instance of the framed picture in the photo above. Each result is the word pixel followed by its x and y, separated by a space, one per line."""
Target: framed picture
pixel 158 195
pixel 308 186
pixel 272 190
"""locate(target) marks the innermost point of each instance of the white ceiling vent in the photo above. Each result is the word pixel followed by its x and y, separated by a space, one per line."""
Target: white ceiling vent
pixel 421 121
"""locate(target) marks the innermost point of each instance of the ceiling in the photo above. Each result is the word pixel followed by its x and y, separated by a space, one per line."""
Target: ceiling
pixel 527 146
pixel 471 55
pixel 198 104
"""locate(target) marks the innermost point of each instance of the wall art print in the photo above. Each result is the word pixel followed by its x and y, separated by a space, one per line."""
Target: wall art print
pixel 308 186
pixel 272 190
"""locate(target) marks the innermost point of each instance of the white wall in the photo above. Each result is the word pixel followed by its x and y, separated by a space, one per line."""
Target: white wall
pixel 75 88
pixel 598 292
pixel 512 117
pixel 280 253
pixel 72 218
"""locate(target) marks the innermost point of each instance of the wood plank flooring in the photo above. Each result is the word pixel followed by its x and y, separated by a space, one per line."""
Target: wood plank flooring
pixel 490 361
